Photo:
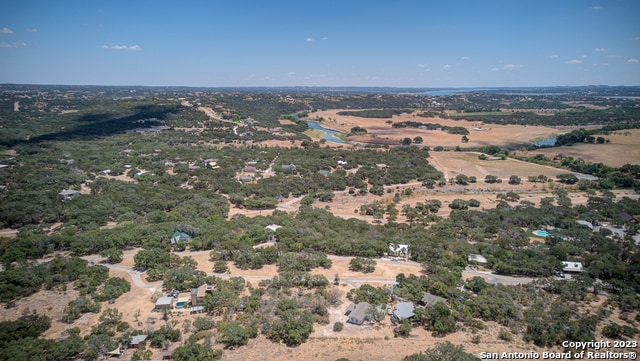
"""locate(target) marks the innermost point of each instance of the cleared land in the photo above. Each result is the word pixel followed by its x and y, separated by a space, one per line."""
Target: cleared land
pixel 379 132
pixel 453 163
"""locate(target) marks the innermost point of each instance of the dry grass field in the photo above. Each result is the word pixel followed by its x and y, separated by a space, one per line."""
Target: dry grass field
pixel 379 132
pixel 624 148
pixel 453 163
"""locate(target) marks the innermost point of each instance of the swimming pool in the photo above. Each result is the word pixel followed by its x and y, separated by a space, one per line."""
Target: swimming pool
pixel 542 233
pixel 180 304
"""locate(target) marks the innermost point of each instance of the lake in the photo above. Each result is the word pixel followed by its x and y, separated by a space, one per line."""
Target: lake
pixel 548 142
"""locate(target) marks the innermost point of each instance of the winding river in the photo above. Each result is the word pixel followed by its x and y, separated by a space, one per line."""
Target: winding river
pixel 329 135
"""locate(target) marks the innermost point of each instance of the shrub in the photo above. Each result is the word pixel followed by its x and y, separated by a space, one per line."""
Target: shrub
pixel 338 326
pixel 505 335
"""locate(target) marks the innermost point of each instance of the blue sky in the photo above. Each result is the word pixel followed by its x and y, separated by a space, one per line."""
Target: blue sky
pixel 399 43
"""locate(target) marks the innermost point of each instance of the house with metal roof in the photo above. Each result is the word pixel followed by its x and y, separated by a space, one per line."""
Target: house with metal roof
pixel 404 310
pixel 180 237
pixel 164 303
pixel 68 194
pixel 136 341
pixel 428 300
pixel 359 313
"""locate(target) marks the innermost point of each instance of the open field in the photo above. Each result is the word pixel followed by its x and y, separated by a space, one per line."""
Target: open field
pixel 467 163
pixel 379 132
pixel 624 148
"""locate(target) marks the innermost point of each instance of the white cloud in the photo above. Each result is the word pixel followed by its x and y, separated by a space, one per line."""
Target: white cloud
pixel 465 58
pixel 511 66
pixel 583 56
pixel 573 61
pixel 122 47
pixel 291 73
pixel 324 38
pixel 495 69
pixel 309 40
pixel 6 30
pixel 600 50
pixel 596 8
pixel 12 45
pixel 633 61
pixel 552 56
pixel 447 66
pixel 32 30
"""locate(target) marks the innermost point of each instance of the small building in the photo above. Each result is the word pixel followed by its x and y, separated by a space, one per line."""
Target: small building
pixel 325 173
pixel 403 310
pixel 627 217
pixel 342 162
pixel 104 172
pixel 245 179
pixel 197 309
pixel 396 249
pixel 585 223
pixel 250 169
pixel 164 303
pixel 428 300
pixel 137 341
pixel 180 237
pixel 477 258
pixel 359 313
pixel 273 227
pixel 68 194
pixel 572 267
pixel 291 167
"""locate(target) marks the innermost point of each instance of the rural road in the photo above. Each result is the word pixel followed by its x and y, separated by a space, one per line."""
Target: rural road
pixel 135 275
pixel 355 282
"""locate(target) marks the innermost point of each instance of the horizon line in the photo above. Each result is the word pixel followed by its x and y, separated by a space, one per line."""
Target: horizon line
pixel 320 86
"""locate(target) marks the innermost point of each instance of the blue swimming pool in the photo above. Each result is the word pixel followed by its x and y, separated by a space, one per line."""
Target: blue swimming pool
pixel 180 304
pixel 542 233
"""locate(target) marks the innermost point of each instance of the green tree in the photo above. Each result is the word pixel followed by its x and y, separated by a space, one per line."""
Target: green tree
pixel 193 351
pixel 443 352
pixel 361 264
pixel 514 179
pixel 113 255
pixel 220 267
pixel 234 335
pixel 491 179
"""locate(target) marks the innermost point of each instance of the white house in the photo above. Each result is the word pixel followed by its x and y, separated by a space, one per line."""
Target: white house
pixel 572 266
pixel 398 249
